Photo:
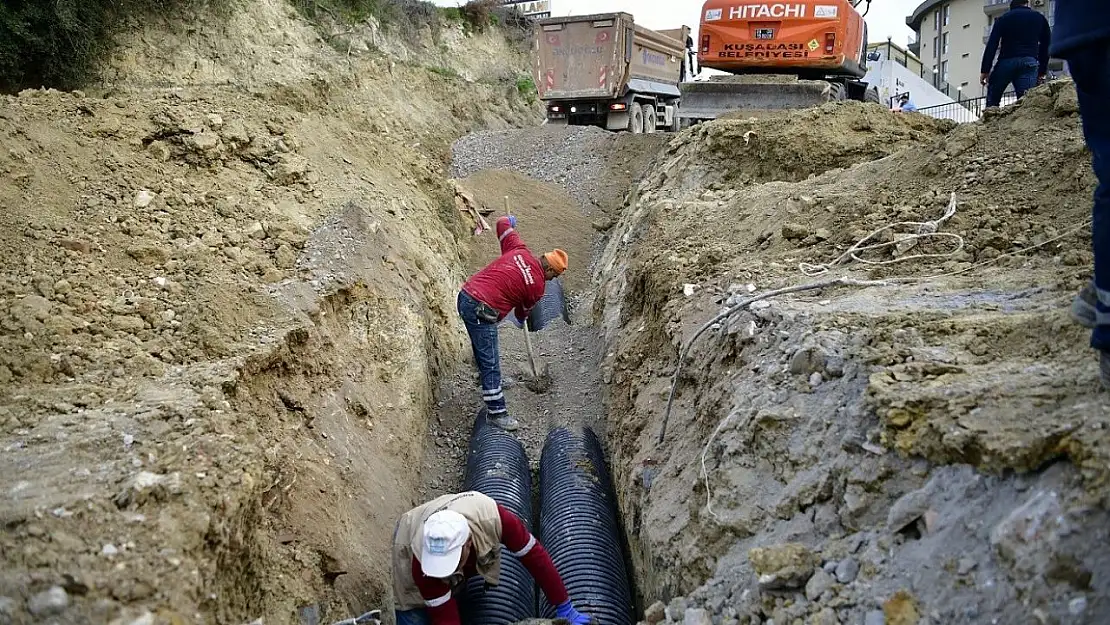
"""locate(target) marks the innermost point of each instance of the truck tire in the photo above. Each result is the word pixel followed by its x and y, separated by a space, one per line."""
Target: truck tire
pixel 635 119
pixel 837 93
pixel 676 122
pixel 650 124
pixel 872 95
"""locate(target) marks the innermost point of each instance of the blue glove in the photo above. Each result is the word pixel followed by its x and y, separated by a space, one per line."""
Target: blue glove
pixel 567 612
pixel 512 221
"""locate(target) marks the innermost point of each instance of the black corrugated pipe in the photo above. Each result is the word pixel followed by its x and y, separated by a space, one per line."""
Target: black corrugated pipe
pixel 580 529
pixel 497 466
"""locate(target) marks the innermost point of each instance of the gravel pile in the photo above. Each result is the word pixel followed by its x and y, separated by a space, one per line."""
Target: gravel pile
pixel 576 158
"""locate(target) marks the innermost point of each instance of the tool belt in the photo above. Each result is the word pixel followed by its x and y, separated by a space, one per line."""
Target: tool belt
pixel 486 313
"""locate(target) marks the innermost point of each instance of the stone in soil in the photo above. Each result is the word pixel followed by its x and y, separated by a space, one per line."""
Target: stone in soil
pixel 697 616
pixel 48 602
pixel 655 613
pixel 785 566
pixel 847 570
pixel 820 583
pixel 901 609
pixel 676 610
pixel 908 509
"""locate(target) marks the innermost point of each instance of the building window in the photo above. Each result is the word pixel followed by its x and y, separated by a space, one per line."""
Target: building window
pixel 947 13
pixel 944 44
pixel 935 46
pixel 944 71
pixel 936 20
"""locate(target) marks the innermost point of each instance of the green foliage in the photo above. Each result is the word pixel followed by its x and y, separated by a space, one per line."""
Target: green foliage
pixel 527 88
pixel 63 43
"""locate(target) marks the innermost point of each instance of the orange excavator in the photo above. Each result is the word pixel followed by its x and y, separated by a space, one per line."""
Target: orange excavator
pixel 778 55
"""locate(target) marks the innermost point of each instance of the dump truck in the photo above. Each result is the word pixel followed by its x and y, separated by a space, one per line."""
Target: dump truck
pixel 604 70
pixel 778 55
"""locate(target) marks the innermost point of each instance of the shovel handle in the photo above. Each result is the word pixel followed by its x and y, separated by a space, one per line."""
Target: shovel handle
pixel 531 354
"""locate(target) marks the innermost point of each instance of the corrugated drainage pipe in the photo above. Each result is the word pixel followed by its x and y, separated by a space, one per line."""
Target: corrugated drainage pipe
pixel 580 529
pixel 498 466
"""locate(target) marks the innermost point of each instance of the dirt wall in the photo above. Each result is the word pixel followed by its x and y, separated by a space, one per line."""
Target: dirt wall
pixel 849 453
pixel 228 276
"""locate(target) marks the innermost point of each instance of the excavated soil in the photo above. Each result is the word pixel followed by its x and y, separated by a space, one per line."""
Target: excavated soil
pixel 230 359
pixel 228 297
pixel 878 454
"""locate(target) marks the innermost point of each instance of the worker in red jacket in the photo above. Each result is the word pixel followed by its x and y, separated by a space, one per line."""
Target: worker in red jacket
pixel 515 281
pixel 442 543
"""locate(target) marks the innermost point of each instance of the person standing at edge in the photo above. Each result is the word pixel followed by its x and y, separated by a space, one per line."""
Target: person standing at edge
pixel 515 281
pixel 1083 40
pixel 439 545
pixel 1024 36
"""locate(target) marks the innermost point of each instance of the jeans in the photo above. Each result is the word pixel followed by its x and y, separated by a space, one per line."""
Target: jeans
pixel 483 340
pixel 1022 72
pixel 419 616
pixel 1090 67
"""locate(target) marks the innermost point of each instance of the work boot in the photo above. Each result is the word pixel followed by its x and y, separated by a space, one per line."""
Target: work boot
pixel 1083 307
pixel 505 422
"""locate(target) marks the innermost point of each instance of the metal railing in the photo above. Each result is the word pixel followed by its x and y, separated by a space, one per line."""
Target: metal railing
pixel 964 111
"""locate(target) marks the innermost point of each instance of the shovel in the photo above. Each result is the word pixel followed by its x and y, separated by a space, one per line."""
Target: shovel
pixel 536 375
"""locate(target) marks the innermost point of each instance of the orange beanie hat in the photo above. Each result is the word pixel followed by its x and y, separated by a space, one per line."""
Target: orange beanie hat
pixel 557 260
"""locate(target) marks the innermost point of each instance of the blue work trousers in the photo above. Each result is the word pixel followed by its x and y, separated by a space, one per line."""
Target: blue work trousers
pixel 1020 72
pixel 418 616
pixel 1090 67
pixel 483 340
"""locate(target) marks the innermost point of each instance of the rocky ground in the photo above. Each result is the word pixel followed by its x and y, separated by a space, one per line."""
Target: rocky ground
pixel 229 356
pixel 928 451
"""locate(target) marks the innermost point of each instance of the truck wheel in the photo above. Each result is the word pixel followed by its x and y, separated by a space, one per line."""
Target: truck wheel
pixel 676 122
pixel 872 95
pixel 635 119
pixel 836 94
pixel 649 119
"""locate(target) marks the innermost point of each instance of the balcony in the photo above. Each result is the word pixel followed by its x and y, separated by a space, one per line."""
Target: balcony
pixel 995 8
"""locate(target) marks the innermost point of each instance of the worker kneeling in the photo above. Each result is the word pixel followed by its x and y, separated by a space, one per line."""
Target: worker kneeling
pixel 439 545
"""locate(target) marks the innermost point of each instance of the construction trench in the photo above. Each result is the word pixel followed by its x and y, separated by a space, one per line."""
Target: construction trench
pixel 230 358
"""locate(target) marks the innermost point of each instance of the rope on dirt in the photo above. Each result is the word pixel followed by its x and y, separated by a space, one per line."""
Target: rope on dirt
pixel 728 312
pixel 901 244
pixel 1067 233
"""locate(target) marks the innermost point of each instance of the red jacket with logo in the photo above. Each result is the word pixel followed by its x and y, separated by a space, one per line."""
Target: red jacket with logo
pixel 514 280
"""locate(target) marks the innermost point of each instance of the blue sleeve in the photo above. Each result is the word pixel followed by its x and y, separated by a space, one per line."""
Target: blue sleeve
pixel 992 46
pixel 1046 39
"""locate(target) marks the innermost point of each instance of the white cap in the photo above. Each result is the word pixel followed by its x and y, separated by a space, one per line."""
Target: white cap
pixel 445 533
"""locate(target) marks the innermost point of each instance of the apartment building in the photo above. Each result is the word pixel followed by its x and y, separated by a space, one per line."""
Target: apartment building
pixel 951 36
pixel 888 50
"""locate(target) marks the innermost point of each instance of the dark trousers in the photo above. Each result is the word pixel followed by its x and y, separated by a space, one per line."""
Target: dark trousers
pixel 1020 72
pixel 483 340
pixel 1090 67
pixel 418 616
